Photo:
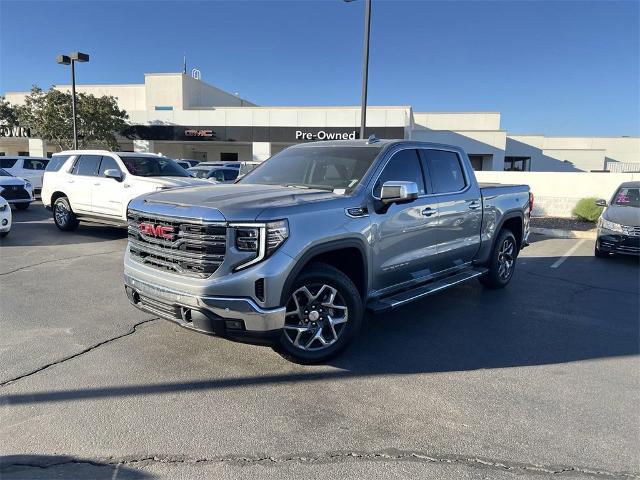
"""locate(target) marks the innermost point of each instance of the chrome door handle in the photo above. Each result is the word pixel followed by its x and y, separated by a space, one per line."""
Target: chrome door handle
pixel 69 181
pixel 427 212
pixel 97 184
pixel 474 205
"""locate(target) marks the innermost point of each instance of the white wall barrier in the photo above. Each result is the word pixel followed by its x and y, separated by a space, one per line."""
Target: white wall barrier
pixel 556 193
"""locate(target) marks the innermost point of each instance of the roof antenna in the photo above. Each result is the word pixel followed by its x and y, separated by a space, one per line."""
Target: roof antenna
pixel 372 139
pixel 184 64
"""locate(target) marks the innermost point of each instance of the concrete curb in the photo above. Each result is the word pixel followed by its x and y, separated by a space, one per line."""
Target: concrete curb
pixel 559 233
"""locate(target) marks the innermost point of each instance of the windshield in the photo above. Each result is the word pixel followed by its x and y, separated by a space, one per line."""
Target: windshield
pixel 144 166
pixel 334 168
pixel 4 173
pixel 627 197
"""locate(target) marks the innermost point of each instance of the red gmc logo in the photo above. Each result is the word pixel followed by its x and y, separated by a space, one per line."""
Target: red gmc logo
pixel 161 231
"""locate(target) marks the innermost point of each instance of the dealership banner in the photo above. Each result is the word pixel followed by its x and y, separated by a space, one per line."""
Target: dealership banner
pixel 254 134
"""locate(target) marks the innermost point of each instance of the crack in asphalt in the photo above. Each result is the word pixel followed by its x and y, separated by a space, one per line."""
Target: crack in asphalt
pixel 82 352
pixel 331 457
pixel 58 260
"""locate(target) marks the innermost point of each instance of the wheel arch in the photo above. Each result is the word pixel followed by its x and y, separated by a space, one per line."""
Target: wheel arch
pixel 331 253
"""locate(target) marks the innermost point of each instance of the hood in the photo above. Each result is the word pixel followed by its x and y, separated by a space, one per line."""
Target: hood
pixel 629 216
pixel 172 181
pixel 6 181
pixel 238 202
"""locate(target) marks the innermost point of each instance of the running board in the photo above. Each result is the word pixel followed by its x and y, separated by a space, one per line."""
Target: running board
pixel 388 303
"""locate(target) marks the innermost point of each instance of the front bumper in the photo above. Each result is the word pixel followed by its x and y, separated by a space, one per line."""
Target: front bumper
pixel 611 242
pixel 236 318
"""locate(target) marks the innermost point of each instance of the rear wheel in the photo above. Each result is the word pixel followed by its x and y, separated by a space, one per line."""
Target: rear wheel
pixel 63 216
pixel 502 262
pixel 323 314
pixel 22 206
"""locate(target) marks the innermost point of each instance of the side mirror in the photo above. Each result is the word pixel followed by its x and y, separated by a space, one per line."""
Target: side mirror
pixel 398 192
pixel 601 202
pixel 113 173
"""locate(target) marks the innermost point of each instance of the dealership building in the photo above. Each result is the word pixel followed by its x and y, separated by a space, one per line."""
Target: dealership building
pixel 183 117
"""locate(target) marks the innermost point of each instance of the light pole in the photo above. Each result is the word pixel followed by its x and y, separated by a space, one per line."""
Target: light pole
pixel 71 59
pixel 365 65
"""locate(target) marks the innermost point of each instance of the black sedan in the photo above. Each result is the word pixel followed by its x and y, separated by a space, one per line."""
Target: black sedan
pixel 619 224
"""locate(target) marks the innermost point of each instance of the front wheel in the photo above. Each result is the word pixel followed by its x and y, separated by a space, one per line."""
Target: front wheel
pixel 323 314
pixel 22 206
pixel 63 216
pixel 502 262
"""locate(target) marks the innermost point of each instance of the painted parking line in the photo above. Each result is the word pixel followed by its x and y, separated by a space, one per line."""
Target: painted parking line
pixel 561 260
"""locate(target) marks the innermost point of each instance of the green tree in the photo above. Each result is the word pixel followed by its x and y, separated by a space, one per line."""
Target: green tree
pixel 8 114
pixel 48 116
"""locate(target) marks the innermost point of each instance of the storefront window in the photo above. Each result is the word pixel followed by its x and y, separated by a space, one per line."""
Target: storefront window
pixel 517 164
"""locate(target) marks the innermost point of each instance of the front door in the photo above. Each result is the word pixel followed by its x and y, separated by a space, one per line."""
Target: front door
pixel 108 193
pixel 404 238
pixel 459 208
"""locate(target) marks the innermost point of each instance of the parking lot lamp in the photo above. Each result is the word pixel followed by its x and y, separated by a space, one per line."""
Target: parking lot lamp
pixel 71 59
pixel 365 65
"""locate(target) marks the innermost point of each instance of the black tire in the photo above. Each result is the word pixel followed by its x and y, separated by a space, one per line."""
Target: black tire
pixel 598 253
pixel 500 270
pixel 63 216
pixel 22 206
pixel 4 234
pixel 320 280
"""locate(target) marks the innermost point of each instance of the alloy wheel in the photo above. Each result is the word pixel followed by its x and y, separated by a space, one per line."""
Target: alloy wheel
pixel 316 317
pixel 62 213
pixel 506 258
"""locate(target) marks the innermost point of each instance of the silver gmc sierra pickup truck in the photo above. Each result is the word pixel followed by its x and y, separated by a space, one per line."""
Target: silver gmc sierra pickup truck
pixel 295 252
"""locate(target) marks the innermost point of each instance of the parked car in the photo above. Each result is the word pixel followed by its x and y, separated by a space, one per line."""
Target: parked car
pixel 184 164
pixel 5 217
pixel 230 164
pixel 29 168
pixel 294 253
pixel 15 190
pixel 215 174
pixel 619 224
pixel 246 167
pixel 192 163
pixel 97 186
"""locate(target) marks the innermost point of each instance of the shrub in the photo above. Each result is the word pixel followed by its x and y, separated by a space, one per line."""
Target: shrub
pixel 587 209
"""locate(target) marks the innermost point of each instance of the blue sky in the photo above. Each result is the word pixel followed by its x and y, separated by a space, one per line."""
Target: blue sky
pixel 559 68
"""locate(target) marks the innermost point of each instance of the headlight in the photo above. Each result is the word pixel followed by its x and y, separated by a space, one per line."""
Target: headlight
pixel 261 238
pixel 614 227
pixel 28 185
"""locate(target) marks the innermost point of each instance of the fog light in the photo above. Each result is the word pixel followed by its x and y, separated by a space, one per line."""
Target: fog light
pixel 235 324
pixel 4 222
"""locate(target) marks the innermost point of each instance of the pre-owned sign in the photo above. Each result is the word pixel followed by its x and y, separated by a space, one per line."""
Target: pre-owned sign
pixel 324 135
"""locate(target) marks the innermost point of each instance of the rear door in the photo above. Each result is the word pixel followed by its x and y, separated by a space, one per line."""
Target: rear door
pixel 404 237
pixel 80 182
pixel 108 193
pixel 459 208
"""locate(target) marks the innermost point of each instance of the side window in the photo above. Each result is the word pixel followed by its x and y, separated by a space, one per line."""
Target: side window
pixel 87 165
pixel 217 175
pixel 35 164
pixel 107 163
pixel 446 171
pixel 403 166
pixel 56 163
pixel 230 174
pixel 7 162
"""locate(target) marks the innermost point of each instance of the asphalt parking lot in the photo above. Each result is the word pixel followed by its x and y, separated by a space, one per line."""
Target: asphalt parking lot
pixel 537 380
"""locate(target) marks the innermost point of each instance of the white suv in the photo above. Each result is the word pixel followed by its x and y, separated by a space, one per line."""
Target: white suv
pixel 29 168
pixel 97 185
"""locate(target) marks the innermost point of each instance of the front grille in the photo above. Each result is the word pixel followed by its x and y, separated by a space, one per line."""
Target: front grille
pixel 191 248
pixel 14 192
pixel 631 231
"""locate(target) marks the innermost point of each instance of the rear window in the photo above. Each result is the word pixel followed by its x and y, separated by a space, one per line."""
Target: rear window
pixel 7 162
pixel 56 163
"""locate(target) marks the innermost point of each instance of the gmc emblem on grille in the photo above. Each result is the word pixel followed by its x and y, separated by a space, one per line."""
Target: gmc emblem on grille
pixel 161 231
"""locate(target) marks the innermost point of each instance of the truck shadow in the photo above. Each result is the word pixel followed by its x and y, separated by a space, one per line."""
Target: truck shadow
pixel 45 467
pixel 587 310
